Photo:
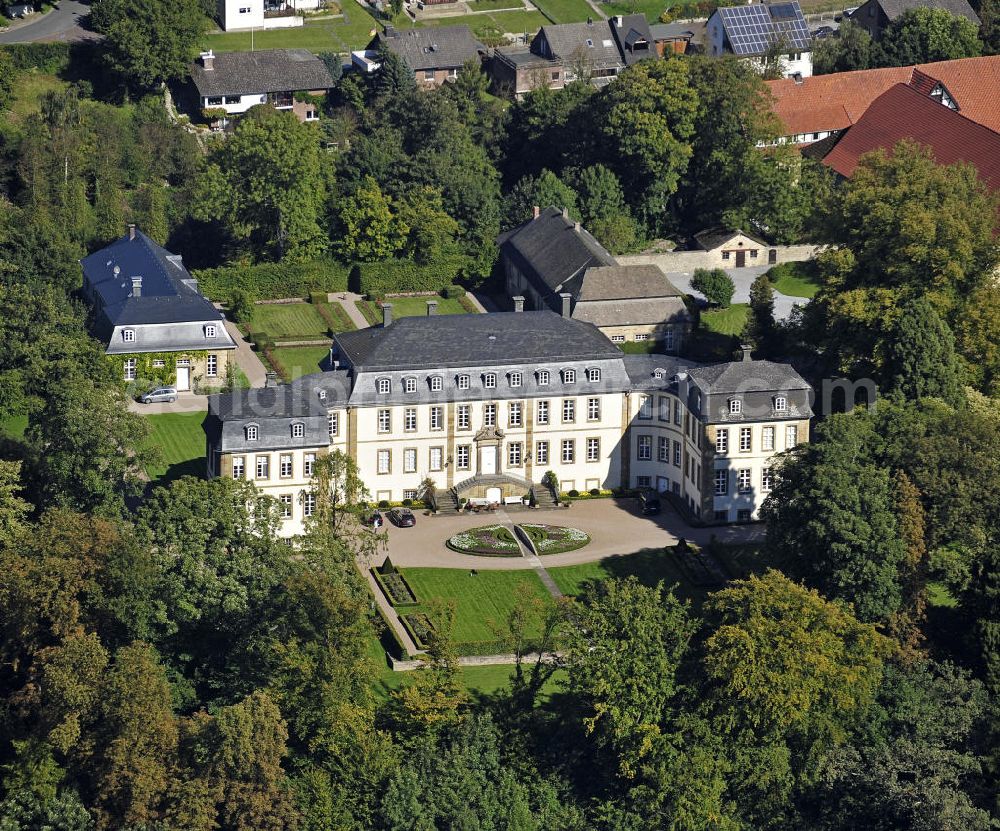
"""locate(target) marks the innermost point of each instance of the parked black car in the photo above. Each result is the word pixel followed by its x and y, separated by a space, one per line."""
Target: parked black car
pixel 402 517
pixel 649 502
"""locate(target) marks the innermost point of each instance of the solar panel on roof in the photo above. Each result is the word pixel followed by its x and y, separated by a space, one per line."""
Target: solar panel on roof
pixel 752 30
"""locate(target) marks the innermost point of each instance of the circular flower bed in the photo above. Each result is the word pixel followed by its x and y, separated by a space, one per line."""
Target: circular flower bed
pixel 487 541
pixel 556 539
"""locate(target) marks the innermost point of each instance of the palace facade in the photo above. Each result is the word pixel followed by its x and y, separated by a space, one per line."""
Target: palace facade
pixel 488 404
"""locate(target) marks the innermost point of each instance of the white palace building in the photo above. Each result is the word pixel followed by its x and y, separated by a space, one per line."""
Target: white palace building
pixel 488 403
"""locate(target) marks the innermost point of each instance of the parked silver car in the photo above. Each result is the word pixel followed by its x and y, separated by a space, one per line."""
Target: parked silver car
pixel 160 394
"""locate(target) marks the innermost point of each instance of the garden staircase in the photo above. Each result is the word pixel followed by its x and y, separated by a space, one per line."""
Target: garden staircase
pixel 543 497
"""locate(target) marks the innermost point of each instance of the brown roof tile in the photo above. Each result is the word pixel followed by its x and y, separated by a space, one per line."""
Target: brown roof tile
pixel 903 113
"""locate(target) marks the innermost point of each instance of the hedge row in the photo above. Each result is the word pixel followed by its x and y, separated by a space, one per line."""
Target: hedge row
pixel 378 279
pixel 45 57
pixel 273 281
pixel 385 584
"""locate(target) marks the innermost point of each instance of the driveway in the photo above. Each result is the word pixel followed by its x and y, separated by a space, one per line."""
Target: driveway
pixel 187 402
pixel 64 23
pixel 615 527
pixel 742 278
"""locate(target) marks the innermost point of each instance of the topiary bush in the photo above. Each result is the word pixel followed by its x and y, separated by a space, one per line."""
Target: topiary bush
pixel 595 491
pixel 383 504
pixel 573 494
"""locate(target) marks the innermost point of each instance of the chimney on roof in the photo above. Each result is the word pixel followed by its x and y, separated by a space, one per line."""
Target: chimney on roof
pixel 590 21
pixel 432 308
pixel 566 298
pixel 131 231
pixel 386 315
pixel 797 77
pixel 518 303
pixel 746 349
pixel 271 379
pixel 137 286
pixel 208 60
pixel 536 212
pixel 618 21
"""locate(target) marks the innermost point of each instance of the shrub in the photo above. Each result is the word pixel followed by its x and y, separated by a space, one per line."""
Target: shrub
pixel 550 480
pixel 273 281
pixel 383 504
pixel 317 298
pixel 595 491
pixel 452 292
pixel 407 503
pixel 716 285
pixel 398 275
pixel 45 57
pixel 573 494
pixel 241 306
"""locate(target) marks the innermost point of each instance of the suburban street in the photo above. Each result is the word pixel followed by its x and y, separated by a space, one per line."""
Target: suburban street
pixel 63 23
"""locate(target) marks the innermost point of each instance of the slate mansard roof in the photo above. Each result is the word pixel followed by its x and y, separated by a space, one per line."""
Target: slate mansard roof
pixel 270 70
pixel 474 340
pixel 167 292
pixel 436 47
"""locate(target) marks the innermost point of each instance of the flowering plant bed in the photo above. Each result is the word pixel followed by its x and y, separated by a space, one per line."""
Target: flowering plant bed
pixel 555 539
pixel 486 541
pixel 395 588
pixel 419 626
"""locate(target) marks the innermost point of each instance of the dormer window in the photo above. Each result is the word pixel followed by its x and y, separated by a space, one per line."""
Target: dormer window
pixel 298 430
pixel 658 374
pixel 515 379
pixel 322 395
pixel 463 382
pixel 210 331
pixel 384 386
pixel 593 375
pixel 735 406
pixel 128 335
pixel 437 383
pixel 780 403
pixel 543 377
pixel 409 385
pixel 489 380
pixel 569 376
pixel 251 432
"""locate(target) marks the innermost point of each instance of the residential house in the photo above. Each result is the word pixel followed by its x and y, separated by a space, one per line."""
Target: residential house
pixel 234 82
pixel 435 54
pixel 588 51
pixel 816 108
pixel 903 112
pixel 515 72
pixel 759 32
pixel 152 318
pixel 678 38
pixel 875 15
pixel 241 15
pixel 487 404
pixel 733 249
pixel 634 38
pixel 552 262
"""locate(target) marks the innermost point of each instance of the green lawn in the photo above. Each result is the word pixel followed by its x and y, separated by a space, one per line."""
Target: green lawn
pixel 565 11
pixel 289 320
pixel 339 35
pixel 480 599
pixel 651 8
pixel 516 22
pixel 493 5
pixel 341 320
pixel 182 443
pixel 29 87
pixel 726 321
pixel 794 279
pixel 301 360
pixel 413 307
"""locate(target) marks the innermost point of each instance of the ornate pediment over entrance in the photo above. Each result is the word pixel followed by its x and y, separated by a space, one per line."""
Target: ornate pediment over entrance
pixel 489 434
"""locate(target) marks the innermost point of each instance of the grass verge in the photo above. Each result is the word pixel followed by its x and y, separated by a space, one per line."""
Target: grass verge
pixel 413 307
pixel 726 321
pixel 300 360
pixel 565 11
pixel 288 320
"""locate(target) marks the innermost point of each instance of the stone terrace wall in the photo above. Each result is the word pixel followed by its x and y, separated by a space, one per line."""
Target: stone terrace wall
pixel 690 260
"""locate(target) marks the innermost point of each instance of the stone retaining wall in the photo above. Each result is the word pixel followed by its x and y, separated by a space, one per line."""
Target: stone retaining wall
pixel 690 260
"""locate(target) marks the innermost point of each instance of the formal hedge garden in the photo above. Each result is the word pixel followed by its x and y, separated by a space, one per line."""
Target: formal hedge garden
pixel 486 541
pixel 394 585
pixel 555 539
pixel 419 627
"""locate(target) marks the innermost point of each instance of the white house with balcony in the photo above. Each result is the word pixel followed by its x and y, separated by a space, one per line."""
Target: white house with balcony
pixel 762 32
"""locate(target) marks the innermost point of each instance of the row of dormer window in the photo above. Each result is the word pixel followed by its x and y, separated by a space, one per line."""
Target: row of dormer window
pixel 251 432
pixel 490 380
pixel 211 331
pixel 779 402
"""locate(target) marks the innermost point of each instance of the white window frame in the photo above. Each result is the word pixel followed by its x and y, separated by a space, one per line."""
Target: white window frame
pixel 593 409
pixel 464 417
pixel 251 432
pixel 594 375
pixel 285 466
pixel 285 503
pixel 409 385
pixel 383 386
pixel 746 439
pixel 644 448
pixel 569 411
pixel 262 466
pixel 437 418
pixel 542 412
pixel 410 420
pixel 212 366
pixel 308 464
pixel 383 462
pixel 437 383
pixel 735 406
pixel 744 480
pixel 384 421
pixel 435 458
pixel 239 467
pixel 128 335
pixel 298 430
pixel 463 457
pixel 516 379
pixel 489 415
pixel 211 331
pixel 463 382
pixel 333 424
pixel 569 376
pixel 515 454
pixel 542 452
pixel 308 504
pixel 567 451
pixel 515 414
pixel 766 479
pixel 129 368
pixel 543 377
pixel 721 440
pixel 409 460
pixel 721 483
pixel 593 449
pixel 780 404
pixel 767 438
pixel 791 436
pixel 490 380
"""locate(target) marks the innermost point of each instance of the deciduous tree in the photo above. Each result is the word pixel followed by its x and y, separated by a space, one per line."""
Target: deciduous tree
pixel 923 35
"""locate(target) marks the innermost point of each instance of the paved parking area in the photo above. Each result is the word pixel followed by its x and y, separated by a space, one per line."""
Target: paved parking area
pixel 615 527
pixel 742 279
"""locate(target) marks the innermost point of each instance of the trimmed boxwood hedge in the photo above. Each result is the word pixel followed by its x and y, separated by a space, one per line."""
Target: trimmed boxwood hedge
pixel 390 276
pixel 273 281
pixel 45 57
pixel 419 626
pixel 395 588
